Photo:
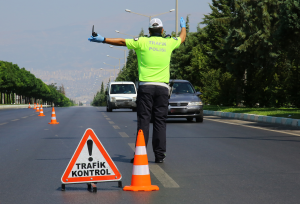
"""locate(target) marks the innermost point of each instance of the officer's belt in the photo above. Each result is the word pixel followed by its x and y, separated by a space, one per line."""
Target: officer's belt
pixel 154 83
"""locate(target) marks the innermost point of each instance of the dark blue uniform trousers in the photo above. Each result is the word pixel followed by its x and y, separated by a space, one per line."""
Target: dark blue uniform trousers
pixel 152 99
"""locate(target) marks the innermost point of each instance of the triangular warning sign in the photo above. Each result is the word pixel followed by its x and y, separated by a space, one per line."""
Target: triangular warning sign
pixel 90 162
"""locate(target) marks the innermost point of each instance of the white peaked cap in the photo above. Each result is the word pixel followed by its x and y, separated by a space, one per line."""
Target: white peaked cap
pixel 155 21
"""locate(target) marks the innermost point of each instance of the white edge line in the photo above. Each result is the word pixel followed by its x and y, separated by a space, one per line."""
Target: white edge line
pixel 217 120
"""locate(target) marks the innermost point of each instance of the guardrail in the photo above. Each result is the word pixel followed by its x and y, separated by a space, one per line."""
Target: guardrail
pixel 255 118
pixel 20 106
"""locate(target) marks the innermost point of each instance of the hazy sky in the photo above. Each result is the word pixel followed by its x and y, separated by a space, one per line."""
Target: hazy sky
pixel 52 35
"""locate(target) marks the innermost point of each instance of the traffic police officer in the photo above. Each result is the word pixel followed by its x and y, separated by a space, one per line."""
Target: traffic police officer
pixel 154 54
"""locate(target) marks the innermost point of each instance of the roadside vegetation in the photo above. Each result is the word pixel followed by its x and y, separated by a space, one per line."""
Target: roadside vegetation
pixel 100 97
pixel 29 89
pixel 246 52
pixel 276 112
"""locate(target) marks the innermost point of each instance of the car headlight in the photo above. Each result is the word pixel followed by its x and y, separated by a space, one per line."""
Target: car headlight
pixel 112 99
pixel 134 99
pixel 195 103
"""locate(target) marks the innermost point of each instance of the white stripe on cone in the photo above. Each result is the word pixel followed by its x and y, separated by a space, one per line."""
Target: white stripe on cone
pixel 53 118
pixel 140 150
pixel 140 170
pixel 53 112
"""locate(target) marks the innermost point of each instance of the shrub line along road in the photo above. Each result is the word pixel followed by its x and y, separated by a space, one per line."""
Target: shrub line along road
pixel 217 161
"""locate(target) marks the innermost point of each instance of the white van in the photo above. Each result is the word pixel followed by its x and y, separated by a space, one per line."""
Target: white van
pixel 121 94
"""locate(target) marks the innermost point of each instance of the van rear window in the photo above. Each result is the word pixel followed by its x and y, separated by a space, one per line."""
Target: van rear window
pixel 122 89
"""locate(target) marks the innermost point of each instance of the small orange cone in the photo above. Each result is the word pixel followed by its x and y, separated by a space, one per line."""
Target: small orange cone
pixel 34 106
pixel 41 111
pixel 53 117
pixel 37 108
pixel 140 180
pixel 29 106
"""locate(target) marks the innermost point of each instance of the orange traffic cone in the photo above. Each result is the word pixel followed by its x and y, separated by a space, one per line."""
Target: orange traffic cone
pixel 37 108
pixel 41 111
pixel 34 107
pixel 140 180
pixel 53 117
pixel 29 106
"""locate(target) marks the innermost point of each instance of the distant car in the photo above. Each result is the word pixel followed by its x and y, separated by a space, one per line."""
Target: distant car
pixel 121 94
pixel 185 101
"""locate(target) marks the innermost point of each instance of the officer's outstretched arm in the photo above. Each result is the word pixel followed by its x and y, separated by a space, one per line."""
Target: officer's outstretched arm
pixel 183 30
pixel 112 41
pixel 116 41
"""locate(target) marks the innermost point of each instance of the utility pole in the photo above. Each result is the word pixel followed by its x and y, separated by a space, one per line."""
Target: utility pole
pixel 176 18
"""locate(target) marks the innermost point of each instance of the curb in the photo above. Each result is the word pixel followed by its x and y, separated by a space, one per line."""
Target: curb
pixel 255 118
pixel 19 106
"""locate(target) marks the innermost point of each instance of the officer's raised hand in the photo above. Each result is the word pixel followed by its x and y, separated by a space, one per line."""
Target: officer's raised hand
pixel 98 39
pixel 182 23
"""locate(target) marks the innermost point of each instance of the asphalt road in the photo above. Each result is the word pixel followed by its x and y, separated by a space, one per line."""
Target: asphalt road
pixel 217 161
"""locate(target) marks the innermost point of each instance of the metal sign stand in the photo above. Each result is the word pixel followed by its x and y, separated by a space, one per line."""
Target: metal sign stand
pixel 92 186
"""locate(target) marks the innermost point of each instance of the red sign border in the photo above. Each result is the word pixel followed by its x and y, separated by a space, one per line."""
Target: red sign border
pixel 87 179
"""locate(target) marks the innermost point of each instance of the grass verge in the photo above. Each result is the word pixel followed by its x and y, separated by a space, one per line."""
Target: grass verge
pixel 276 112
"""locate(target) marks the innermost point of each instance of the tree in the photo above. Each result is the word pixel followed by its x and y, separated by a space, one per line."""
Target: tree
pixel 102 88
pixel 23 83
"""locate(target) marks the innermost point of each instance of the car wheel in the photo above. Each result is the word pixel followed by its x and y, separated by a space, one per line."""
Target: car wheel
pixel 199 119
pixel 189 119
pixel 108 109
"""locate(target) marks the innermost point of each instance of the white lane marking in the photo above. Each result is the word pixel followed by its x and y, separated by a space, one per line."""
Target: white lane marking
pixel 159 173
pixel 132 145
pixel 254 127
pixel 107 118
pixel 3 123
pixel 162 176
pixel 15 119
pixel 25 117
pixel 32 115
pixel 123 134
pixel 111 122
pixel 104 116
pixel 116 127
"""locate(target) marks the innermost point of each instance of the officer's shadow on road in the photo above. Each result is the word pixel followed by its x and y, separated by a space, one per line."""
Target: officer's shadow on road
pixel 179 121
pixel 174 121
pixel 121 158
pixel 60 138
pixel 55 159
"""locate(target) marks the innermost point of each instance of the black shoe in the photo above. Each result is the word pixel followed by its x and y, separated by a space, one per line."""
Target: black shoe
pixel 131 161
pixel 157 160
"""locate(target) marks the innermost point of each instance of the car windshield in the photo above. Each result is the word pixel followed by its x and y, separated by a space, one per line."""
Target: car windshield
pixel 122 89
pixel 182 87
